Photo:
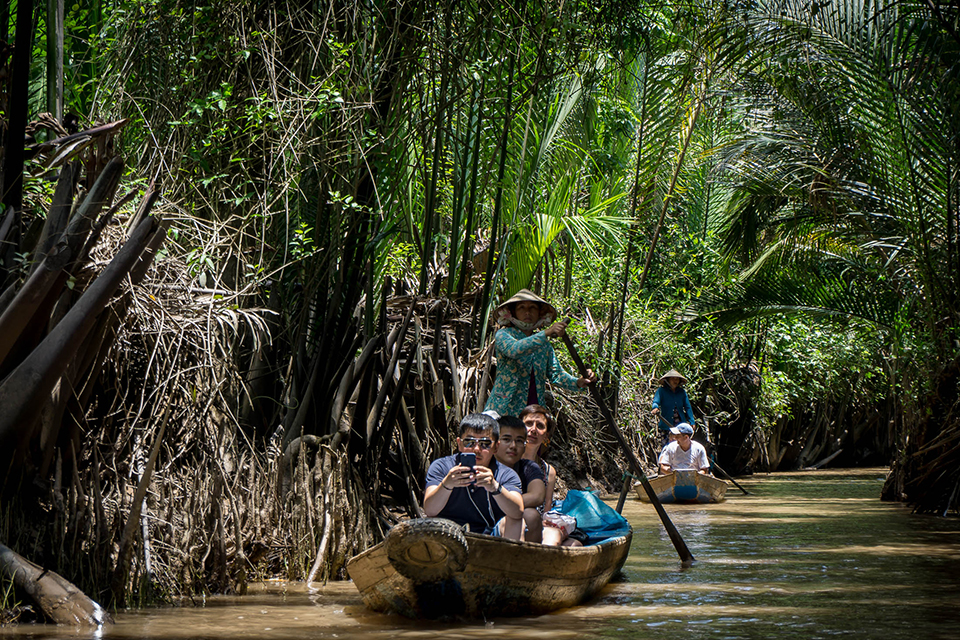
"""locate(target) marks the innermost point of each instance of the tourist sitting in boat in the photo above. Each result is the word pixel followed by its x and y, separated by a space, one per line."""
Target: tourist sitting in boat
pixel 540 427
pixel 684 452
pixel 513 442
pixel 671 405
pixel 475 495
pixel 525 357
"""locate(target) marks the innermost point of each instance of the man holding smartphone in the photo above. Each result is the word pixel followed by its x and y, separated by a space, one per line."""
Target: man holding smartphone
pixel 470 487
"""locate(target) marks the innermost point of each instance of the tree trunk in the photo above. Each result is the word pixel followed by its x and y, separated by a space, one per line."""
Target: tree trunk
pixel 57 598
pixel 11 187
pixel 36 376
pixel 55 58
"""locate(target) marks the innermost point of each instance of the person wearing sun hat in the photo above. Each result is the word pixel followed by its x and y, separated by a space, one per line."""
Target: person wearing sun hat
pixel 525 357
pixel 670 403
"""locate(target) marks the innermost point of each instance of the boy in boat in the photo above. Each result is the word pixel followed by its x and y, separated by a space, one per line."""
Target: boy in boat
pixel 475 497
pixel 513 442
pixel 684 452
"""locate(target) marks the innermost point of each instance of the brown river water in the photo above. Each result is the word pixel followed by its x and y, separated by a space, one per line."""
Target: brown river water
pixel 807 555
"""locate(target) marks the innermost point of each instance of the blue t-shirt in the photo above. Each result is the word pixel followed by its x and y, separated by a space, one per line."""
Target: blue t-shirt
pixel 472 506
pixel 528 470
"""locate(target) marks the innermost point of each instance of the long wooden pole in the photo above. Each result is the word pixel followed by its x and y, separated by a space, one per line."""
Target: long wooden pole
pixel 678 542
pixel 729 477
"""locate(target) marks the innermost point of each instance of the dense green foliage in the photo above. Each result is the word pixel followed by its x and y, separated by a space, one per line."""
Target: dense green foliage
pixel 763 194
pixel 743 161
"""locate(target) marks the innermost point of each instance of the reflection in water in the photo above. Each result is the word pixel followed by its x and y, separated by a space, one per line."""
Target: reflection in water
pixel 807 555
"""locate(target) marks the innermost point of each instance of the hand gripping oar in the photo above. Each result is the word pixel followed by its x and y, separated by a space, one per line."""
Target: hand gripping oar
pixel 678 542
pixel 718 467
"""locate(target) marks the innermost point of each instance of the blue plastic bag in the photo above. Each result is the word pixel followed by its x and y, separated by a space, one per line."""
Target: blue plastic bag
pixel 595 518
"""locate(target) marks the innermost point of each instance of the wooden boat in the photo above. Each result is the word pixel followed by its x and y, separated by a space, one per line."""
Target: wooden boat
pixel 430 568
pixel 684 486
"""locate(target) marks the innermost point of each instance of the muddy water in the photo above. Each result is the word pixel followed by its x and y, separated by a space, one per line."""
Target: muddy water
pixel 808 555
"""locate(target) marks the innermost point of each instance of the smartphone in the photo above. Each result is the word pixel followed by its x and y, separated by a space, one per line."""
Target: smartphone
pixel 468 459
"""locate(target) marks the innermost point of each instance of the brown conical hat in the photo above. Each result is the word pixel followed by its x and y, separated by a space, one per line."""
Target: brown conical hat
pixel 673 373
pixel 548 313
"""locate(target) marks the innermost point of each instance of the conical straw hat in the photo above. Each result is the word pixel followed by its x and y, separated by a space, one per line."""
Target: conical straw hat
pixel 673 373
pixel 548 313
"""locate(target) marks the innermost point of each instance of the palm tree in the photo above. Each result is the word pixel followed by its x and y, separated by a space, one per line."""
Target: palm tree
pixel 846 202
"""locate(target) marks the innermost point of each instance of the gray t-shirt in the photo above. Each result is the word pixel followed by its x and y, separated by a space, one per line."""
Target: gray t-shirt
pixel 472 506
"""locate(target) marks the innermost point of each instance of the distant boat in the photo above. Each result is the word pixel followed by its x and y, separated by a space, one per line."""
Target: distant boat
pixel 430 568
pixel 685 486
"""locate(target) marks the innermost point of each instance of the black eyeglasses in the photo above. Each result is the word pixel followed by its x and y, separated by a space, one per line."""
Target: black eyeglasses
pixel 470 443
pixel 509 439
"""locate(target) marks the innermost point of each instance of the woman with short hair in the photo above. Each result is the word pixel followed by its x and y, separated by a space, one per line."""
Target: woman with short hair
pixel 540 427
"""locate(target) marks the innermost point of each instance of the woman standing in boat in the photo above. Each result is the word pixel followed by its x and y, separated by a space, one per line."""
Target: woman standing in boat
pixel 525 357
pixel 671 404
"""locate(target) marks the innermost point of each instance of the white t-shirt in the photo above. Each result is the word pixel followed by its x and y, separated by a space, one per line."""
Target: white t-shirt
pixel 693 458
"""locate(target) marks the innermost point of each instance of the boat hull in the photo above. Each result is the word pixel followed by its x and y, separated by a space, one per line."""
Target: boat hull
pixel 500 578
pixel 685 486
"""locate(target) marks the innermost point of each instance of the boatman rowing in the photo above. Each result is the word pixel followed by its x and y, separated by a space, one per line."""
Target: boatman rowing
pixel 684 452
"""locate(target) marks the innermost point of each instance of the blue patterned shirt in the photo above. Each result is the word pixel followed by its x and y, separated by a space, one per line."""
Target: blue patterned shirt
pixel 666 399
pixel 518 355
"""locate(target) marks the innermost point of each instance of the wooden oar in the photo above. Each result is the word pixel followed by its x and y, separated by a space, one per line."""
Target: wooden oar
pixel 718 467
pixel 678 542
pixel 624 490
pixel 730 478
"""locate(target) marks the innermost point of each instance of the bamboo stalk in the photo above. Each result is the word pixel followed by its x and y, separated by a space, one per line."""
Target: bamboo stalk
pixel 430 206
pixel 668 197
pixel 55 58
pixel 484 303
